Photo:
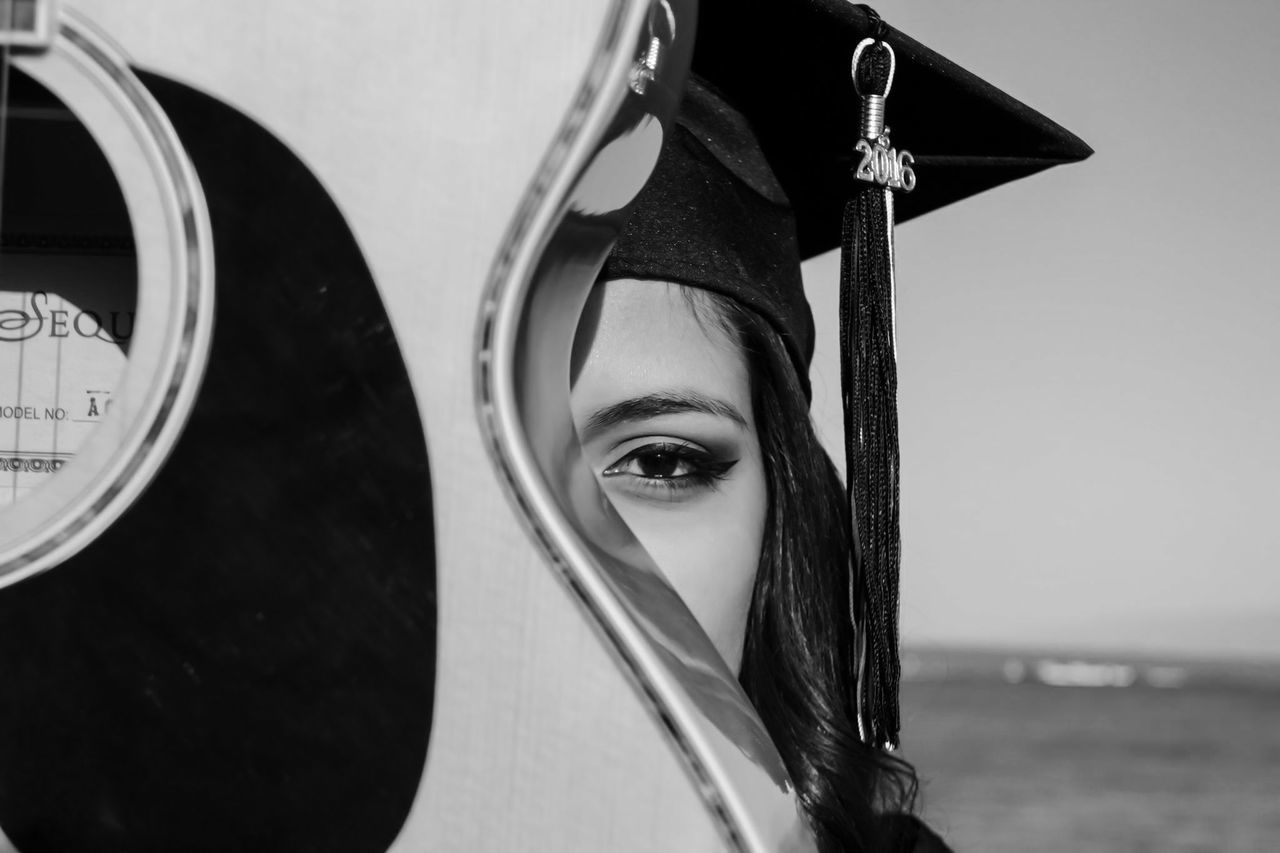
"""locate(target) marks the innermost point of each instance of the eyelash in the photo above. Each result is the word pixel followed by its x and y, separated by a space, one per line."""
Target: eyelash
pixel 705 471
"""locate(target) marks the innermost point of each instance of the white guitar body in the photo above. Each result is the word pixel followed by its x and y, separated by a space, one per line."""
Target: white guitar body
pixel 426 123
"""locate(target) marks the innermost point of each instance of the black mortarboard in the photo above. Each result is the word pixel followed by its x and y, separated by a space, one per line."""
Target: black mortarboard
pixel 763 171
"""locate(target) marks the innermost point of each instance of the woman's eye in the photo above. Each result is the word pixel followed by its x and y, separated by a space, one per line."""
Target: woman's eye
pixel 670 466
pixel 660 464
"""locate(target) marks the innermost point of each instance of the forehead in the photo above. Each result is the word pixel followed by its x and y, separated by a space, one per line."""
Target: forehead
pixel 642 337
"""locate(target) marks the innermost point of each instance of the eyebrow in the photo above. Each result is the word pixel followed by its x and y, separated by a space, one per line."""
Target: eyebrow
pixel 656 405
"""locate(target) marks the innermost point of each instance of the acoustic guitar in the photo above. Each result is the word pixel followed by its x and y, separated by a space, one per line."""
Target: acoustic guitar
pixel 297 548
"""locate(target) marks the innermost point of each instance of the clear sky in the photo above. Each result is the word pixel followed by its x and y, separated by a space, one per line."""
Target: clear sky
pixel 1090 358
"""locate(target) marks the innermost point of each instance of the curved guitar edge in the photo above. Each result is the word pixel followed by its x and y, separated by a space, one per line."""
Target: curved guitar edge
pixel 543 273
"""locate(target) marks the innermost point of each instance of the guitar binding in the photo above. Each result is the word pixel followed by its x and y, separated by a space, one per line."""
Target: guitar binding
pixel 543 273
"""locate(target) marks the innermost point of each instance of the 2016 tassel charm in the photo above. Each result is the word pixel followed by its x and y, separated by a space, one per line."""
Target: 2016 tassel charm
pixel 869 389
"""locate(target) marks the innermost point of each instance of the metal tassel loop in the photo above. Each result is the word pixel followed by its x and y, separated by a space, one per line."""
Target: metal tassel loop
pixel 872 80
pixel 873 68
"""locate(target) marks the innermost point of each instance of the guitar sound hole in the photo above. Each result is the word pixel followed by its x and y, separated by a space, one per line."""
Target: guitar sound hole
pixel 243 657
pixel 68 288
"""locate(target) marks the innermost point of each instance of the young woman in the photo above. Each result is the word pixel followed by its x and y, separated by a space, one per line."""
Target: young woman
pixel 697 426
pixel 690 395
pixel 694 417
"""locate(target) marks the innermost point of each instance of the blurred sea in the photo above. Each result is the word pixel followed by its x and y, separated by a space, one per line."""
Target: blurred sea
pixel 1052 752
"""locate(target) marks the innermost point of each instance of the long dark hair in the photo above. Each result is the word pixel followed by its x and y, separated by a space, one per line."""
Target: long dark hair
pixel 799 660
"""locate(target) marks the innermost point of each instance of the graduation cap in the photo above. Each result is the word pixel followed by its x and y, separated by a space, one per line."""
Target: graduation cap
pixel 782 152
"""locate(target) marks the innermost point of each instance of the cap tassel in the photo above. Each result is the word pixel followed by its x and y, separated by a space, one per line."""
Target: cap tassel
pixel 869 390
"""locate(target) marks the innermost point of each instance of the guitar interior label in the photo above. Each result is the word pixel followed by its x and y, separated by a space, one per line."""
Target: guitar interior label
pixel 65 325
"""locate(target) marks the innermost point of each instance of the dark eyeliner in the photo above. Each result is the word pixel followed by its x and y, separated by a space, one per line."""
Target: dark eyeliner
pixel 705 471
